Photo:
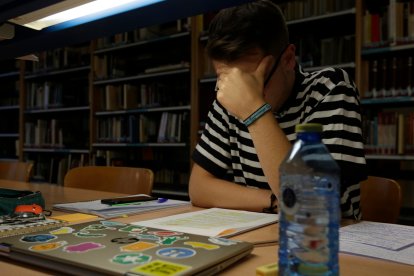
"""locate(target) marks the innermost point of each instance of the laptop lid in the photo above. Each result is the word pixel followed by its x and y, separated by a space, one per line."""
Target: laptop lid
pixel 113 248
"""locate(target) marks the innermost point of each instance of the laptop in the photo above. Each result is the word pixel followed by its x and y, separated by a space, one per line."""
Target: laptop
pixel 114 248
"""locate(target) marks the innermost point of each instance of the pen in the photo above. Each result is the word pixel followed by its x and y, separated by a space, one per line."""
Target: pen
pixel 126 204
pixel 265 243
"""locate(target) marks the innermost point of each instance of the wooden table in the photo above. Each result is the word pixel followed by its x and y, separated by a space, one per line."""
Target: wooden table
pixel 261 255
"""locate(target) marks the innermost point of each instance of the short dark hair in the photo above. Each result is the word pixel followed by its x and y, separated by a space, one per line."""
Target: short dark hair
pixel 236 30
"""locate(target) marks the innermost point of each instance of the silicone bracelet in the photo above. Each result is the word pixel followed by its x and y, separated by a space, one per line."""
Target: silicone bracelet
pixel 257 114
pixel 272 209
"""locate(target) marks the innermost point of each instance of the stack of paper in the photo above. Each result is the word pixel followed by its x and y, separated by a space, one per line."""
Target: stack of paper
pixel 111 211
pixel 212 222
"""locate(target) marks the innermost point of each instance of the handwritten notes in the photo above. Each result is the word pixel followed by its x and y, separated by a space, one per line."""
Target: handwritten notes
pixel 379 240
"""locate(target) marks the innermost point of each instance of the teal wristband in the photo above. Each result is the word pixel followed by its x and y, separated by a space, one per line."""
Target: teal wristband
pixel 257 114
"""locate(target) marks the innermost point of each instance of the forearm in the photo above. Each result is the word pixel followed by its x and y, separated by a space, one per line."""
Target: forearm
pixel 271 146
pixel 209 191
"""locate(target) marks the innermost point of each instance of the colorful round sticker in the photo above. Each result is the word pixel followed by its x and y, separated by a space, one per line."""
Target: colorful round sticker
pixel 176 252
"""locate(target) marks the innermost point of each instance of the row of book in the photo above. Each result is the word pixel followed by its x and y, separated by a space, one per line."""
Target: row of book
pixel 56 133
pixel 109 66
pixel 145 33
pixel 10 93
pixel 172 177
pixel 116 66
pixel 312 51
pixel 308 8
pixel 10 149
pixel 170 127
pixel 125 129
pixel 53 169
pixel 390 77
pixel 66 57
pixel 161 175
pixel 55 94
pixel 8 100
pixel 389 25
pixel 9 122
pixel 389 132
pixel 132 96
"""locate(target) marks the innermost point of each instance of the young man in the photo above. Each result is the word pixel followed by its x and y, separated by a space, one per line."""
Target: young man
pixel 237 160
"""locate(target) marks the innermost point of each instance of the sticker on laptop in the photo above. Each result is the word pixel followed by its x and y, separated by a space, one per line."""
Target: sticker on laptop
pixel 222 241
pixel 83 247
pixel 124 240
pixel 62 230
pixel 133 229
pixel 207 246
pixel 161 268
pixel 131 258
pixel 47 246
pixel 138 246
pixel 112 223
pixel 38 238
pixel 86 234
pixel 176 252
pixel 165 233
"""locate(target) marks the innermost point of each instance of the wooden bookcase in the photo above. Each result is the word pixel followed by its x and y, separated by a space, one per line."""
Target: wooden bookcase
pixel 141 103
pixel 55 112
pixel 387 89
pixel 9 109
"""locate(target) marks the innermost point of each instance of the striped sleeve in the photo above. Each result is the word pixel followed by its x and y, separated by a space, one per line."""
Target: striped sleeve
pixel 339 113
pixel 213 149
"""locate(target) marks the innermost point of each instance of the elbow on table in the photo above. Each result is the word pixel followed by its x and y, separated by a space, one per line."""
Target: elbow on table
pixel 197 194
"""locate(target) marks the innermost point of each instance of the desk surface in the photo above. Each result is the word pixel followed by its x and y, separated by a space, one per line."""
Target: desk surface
pixel 349 264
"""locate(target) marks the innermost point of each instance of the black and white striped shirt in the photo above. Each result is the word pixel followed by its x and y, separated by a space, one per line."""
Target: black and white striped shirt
pixel 328 97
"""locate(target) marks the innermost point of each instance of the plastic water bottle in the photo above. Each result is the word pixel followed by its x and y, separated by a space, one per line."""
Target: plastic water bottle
pixel 309 207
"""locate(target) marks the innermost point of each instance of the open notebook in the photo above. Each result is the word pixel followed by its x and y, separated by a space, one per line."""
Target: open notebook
pixel 113 248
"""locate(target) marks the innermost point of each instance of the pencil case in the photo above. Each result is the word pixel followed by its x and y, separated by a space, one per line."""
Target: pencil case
pixel 10 198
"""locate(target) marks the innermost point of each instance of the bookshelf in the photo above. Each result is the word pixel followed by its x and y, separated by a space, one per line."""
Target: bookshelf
pixel 141 103
pixel 387 91
pixel 9 109
pixel 56 112
pixel 121 100
pixel 333 44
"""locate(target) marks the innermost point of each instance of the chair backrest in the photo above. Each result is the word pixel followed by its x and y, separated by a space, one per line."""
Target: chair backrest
pixel 16 170
pixel 127 180
pixel 380 199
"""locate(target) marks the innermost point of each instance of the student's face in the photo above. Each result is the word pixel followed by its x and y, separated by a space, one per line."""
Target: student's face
pixel 275 89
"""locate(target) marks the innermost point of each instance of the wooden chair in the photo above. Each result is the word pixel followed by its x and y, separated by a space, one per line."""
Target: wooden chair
pixel 16 170
pixel 127 180
pixel 380 199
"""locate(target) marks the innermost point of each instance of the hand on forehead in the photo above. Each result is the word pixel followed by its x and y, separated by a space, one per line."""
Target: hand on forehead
pixel 255 64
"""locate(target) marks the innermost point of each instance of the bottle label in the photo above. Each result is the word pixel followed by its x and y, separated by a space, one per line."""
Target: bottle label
pixel 289 200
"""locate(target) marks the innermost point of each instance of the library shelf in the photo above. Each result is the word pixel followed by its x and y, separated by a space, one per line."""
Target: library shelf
pixel 330 16
pixel 139 145
pixel 56 150
pixel 390 157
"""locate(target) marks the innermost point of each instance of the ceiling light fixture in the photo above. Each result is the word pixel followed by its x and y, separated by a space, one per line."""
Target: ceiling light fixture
pixel 74 12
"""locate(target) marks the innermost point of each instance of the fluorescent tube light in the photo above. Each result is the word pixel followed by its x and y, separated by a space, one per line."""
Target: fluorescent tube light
pixel 70 10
